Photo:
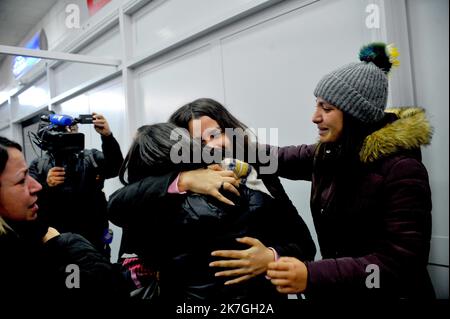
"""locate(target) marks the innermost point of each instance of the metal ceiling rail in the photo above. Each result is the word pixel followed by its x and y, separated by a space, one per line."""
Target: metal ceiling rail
pixel 61 56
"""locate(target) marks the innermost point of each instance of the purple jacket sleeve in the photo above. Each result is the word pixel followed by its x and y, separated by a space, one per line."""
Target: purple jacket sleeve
pixel 296 162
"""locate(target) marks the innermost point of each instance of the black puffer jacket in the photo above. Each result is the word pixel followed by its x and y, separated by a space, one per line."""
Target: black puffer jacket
pixel 30 269
pixel 177 233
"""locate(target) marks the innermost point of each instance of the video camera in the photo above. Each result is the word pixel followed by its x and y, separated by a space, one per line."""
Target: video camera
pixel 54 135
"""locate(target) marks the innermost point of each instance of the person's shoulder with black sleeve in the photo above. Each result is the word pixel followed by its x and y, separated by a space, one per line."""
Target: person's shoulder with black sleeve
pixel 70 253
pixel 22 271
pixel 131 200
pixel 110 159
pixel 14 275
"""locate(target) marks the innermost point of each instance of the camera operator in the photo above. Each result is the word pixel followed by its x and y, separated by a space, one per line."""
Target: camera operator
pixel 72 198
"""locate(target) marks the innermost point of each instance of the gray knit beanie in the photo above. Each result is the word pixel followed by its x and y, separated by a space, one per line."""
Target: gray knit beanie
pixel 361 89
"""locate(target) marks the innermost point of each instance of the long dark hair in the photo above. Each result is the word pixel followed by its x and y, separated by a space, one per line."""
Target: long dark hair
pixel 218 112
pixel 150 152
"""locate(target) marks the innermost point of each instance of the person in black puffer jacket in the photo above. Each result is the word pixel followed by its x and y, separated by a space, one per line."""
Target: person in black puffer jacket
pixel 176 233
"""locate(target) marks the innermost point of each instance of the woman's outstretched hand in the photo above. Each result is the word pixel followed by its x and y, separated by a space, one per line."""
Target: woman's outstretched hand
pixel 289 275
pixel 210 181
pixel 246 263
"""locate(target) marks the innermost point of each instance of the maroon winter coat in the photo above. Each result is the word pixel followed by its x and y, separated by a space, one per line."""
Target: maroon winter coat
pixel 383 224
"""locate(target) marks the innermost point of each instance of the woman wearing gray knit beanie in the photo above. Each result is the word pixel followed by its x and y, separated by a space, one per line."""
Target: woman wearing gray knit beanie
pixel 370 195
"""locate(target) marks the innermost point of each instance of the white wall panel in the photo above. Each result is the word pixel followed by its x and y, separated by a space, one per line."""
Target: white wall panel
pixel 36 96
pixel 270 72
pixel 162 23
pixel 428 28
pixel 31 100
pixel 6 132
pixel 164 88
pixel 4 114
pixel 70 75
pixel 109 101
pixel 428 32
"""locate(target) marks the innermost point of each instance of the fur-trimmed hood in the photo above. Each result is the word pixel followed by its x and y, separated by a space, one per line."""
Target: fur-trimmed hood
pixel 410 131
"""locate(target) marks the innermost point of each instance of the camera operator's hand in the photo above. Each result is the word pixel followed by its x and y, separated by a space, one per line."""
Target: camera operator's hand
pixel 55 176
pixel 101 124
